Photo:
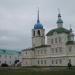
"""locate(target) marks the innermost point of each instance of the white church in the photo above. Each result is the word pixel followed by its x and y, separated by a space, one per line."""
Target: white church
pixel 59 50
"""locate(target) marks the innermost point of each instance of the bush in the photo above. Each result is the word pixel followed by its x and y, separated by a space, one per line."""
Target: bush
pixel 4 65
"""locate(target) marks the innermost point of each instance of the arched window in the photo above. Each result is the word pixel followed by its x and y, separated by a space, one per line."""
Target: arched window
pixel 39 32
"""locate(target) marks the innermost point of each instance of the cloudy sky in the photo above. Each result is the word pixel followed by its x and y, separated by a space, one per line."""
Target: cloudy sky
pixel 17 18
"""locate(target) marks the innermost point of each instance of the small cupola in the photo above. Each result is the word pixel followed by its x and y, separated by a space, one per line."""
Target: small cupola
pixel 59 21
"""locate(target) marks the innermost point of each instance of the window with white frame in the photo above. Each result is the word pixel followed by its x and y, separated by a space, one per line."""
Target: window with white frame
pixel 60 49
pixel 52 61
pixel 38 62
pixel 38 52
pixel 52 50
pixel 56 61
pixel 44 61
pixel 26 62
pixel 60 61
pixel 60 40
pixel 55 40
pixel 56 50
pixel 41 51
pixel 41 61
pixel 51 41
pixel 44 51
pixel 70 49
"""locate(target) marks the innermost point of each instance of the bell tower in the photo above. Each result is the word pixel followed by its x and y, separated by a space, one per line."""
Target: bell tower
pixel 38 34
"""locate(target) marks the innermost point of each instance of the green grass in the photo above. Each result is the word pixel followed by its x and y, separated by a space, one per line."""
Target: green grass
pixel 36 72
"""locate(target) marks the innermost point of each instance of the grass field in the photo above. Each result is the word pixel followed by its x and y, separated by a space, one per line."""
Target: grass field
pixel 37 72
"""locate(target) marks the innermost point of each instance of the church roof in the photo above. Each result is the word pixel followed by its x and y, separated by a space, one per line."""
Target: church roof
pixel 43 46
pixel 58 30
pixel 9 52
pixel 70 43
pixel 38 25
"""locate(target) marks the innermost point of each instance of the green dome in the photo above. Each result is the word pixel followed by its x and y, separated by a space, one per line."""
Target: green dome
pixel 58 30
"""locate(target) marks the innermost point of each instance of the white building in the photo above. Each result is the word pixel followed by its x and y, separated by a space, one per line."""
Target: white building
pixel 8 57
pixel 60 48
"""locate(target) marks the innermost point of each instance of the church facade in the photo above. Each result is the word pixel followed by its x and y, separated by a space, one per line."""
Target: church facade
pixel 59 50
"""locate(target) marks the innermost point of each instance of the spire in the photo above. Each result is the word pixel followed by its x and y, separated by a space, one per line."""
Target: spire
pixel 59 15
pixel 38 17
pixel 38 25
pixel 59 21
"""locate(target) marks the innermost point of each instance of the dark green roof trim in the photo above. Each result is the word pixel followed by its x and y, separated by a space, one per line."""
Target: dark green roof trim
pixel 42 46
pixel 58 30
pixel 28 49
pixel 70 43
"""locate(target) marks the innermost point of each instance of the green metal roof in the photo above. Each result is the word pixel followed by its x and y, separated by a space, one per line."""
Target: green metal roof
pixel 58 30
pixel 9 52
pixel 70 43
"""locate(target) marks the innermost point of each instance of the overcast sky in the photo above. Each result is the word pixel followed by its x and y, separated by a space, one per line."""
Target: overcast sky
pixel 17 19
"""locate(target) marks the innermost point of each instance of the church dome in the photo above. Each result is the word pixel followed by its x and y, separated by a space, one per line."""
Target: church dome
pixel 38 25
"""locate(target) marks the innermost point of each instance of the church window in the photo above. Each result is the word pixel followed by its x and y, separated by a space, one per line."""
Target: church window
pixel 41 61
pixel 51 41
pixel 39 32
pixel 45 61
pixel 10 57
pixel 70 49
pixel 52 61
pixel 55 40
pixel 38 51
pixel 60 60
pixel 56 61
pixel 41 51
pixel 26 62
pixel 59 39
pixel 44 51
pixel 52 49
pixel 60 49
pixel 56 50
pixel 38 61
